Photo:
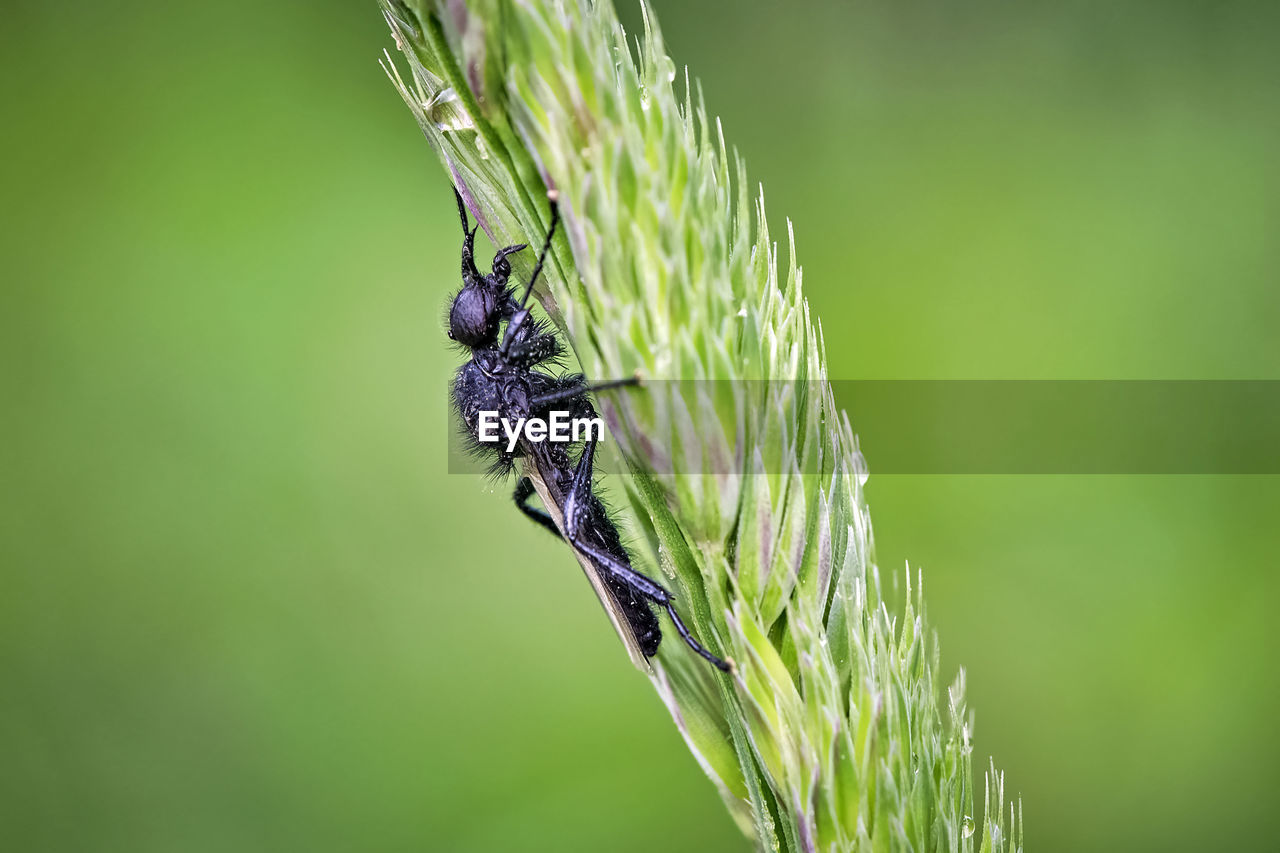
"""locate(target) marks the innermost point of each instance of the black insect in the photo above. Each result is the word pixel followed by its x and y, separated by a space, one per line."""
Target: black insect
pixel 502 376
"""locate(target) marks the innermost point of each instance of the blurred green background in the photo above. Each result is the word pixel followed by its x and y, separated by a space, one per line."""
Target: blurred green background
pixel 243 607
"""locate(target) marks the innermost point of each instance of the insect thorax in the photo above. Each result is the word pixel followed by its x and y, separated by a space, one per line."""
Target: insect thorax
pixel 476 390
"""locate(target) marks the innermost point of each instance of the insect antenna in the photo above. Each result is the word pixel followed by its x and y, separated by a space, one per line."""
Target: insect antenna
pixel 462 211
pixel 469 271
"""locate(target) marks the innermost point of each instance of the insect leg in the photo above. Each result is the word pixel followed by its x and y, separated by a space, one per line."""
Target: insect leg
pixel 542 255
pixel 501 266
pixel 578 390
pixel 523 312
pixel 576 512
pixel 718 663
pixel 650 590
pixel 535 350
pixel 524 491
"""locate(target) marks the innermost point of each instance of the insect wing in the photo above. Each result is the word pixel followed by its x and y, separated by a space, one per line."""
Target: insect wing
pixel 632 618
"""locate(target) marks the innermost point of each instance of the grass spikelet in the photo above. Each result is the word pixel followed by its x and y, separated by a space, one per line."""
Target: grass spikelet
pixel 743 480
